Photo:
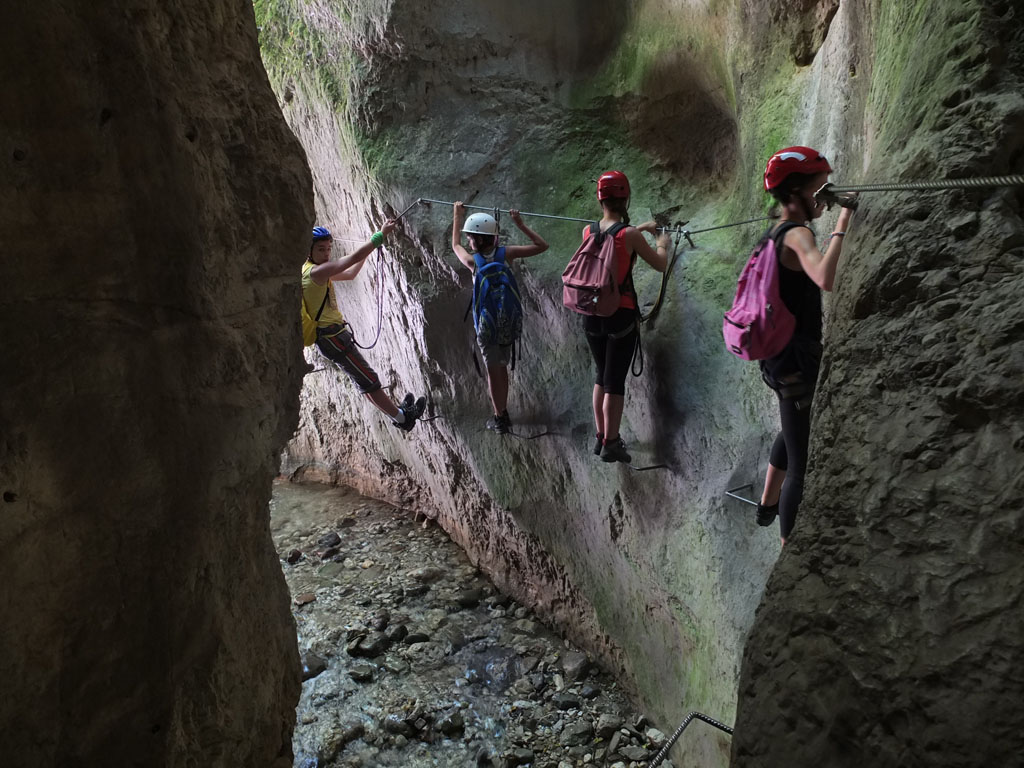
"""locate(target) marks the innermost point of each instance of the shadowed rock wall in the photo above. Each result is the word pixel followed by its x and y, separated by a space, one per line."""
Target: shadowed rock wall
pixel 152 195
pixel 890 629
pixel 657 573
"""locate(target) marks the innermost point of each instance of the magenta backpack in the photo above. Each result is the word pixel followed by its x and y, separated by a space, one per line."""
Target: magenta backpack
pixel 759 325
pixel 589 283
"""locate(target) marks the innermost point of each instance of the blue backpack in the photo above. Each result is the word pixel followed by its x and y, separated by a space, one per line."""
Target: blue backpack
pixel 497 309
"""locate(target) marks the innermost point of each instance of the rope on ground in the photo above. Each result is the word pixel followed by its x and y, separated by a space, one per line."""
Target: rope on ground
pixel 663 753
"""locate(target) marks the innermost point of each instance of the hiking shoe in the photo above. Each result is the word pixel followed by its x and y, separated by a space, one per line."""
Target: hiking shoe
pixel 615 451
pixel 599 444
pixel 407 401
pixel 411 411
pixel 501 424
pixel 766 514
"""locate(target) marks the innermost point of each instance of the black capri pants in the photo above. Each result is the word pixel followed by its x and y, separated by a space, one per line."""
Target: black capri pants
pixel 612 342
pixel 340 347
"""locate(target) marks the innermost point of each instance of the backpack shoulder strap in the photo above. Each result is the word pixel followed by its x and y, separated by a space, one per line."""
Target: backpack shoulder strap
pixel 327 292
pixel 781 231
pixel 615 228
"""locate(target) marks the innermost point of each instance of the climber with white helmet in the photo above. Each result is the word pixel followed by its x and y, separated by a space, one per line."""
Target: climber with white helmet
pixel 497 309
pixel 792 176
pixel 333 336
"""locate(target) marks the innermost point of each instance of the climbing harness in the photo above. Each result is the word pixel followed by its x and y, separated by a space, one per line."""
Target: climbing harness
pixel 663 752
pixel 830 193
pixel 735 493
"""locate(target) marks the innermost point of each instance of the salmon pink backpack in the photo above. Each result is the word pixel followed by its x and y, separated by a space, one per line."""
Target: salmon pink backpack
pixel 759 325
pixel 589 281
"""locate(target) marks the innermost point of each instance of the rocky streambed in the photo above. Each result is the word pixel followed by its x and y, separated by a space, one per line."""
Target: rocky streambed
pixel 411 657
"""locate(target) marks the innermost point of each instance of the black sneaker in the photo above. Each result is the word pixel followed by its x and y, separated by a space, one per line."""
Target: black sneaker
pixel 615 451
pixel 407 401
pixel 599 444
pixel 501 424
pixel 411 412
pixel 766 514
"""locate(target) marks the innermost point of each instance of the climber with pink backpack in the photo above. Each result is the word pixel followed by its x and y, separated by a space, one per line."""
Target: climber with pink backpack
pixel 598 284
pixel 776 318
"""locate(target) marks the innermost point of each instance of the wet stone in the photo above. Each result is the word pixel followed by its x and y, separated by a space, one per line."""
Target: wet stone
pixel 636 754
pixel 451 723
pixel 427 574
pixel 293 556
pixel 575 665
pixel 577 734
pixel 395 723
pixel 655 737
pixel 607 725
pixel 331 539
pixel 361 673
pixel 469 598
pixel 519 757
pixel 434 666
pixel 565 701
pixel 312 665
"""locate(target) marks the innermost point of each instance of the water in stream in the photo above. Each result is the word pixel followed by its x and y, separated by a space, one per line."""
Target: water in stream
pixel 412 658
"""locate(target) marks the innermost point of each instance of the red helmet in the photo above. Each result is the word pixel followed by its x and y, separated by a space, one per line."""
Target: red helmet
pixel 793 160
pixel 612 184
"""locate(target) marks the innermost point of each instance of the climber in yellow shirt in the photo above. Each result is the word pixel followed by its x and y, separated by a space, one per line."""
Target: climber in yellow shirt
pixel 333 335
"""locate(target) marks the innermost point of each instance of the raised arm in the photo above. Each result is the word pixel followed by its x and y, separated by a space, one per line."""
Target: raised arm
pixel 347 267
pixel 657 257
pixel 458 219
pixel 820 267
pixel 522 251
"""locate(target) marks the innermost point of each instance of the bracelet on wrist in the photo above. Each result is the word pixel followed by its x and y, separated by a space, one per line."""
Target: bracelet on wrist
pixel 377 238
pixel 838 234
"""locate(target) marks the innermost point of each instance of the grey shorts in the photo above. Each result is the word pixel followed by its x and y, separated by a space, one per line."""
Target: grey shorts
pixel 495 354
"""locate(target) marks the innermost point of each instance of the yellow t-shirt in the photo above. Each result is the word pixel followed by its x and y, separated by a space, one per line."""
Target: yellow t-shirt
pixel 313 295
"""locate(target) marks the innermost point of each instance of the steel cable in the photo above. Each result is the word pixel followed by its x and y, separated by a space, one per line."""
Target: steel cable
pixel 981 182
pixel 663 752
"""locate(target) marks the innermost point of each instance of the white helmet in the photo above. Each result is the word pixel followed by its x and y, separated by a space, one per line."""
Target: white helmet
pixel 481 224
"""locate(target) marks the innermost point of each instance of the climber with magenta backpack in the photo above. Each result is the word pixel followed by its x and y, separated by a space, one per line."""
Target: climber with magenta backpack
pixel 324 325
pixel 497 309
pixel 776 318
pixel 598 284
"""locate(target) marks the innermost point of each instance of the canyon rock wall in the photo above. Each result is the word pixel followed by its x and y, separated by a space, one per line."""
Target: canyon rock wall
pixel 152 199
pixel 890 629
pixel 522 105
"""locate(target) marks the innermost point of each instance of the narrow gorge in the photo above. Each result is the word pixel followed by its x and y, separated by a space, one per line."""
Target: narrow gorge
pixel 164 166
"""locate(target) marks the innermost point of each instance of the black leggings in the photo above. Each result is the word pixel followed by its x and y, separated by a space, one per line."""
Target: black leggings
pixel 789 453
pixel 612 342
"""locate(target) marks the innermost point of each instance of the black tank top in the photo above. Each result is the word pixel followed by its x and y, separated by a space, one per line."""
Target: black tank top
pixel 802 297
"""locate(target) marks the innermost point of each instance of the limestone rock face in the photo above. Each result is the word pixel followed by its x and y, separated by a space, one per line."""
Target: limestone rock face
pixel 891 626
pixel 658 574
pixel 152 200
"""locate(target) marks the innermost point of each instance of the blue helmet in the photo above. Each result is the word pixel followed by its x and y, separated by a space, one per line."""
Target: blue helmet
pixel 321 233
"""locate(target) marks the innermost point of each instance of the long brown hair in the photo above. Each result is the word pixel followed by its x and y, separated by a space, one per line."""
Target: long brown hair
pixel 617 205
